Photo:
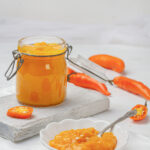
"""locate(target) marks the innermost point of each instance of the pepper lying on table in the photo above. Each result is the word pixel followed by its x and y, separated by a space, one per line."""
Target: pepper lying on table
pixel 132 86
pixel 85 81
pixel 141 112
pixel 109 62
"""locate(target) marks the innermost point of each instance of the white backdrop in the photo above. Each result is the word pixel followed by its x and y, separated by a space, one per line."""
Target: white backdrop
pixel 76 11
pixel 78 21
pixel 116 27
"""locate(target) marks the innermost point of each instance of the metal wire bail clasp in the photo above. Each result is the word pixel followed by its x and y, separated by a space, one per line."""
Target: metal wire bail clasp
pixel 69 50
pixel 10 71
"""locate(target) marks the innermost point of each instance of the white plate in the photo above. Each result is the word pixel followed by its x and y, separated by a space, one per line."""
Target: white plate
pixel 55 128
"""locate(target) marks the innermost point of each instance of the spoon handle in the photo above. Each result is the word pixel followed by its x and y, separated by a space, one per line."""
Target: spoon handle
pixel 125 116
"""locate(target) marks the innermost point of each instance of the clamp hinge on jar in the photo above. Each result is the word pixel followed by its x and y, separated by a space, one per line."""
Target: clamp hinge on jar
pixel 82 67
pixel 10 71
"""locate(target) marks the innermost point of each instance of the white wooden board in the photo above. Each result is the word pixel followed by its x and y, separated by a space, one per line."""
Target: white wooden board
pixel 79 103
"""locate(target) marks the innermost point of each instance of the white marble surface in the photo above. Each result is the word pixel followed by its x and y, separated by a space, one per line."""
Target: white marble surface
pixel 130 41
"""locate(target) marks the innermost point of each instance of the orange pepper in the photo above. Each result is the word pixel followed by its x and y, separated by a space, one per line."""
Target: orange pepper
pixel 109 62
pixel 69 70
pixel 21 112
pixel 85 81
pixel 132 86
pixel 141 112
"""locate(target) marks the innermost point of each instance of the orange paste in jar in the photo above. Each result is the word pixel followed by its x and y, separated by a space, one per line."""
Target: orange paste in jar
pixel 83 139
pixel 41 81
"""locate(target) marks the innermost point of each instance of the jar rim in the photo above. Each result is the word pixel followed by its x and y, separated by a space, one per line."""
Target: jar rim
pixel 47 36
pixel 61 42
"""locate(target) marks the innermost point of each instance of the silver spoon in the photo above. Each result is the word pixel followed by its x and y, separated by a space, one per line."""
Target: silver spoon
pixel 125 116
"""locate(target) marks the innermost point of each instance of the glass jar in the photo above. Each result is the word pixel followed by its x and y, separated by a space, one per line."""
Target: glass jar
pixel 41 79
